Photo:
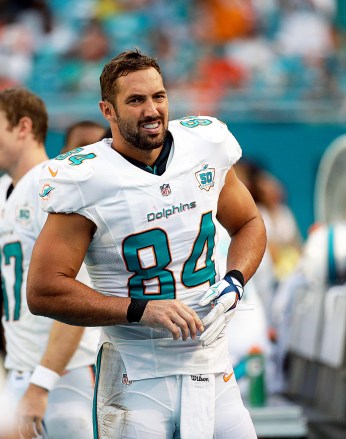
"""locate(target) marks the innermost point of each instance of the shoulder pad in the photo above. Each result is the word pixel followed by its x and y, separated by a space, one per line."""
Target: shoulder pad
pixel 76 164
pixel 208 132
pixel 210 128
pixel 62 178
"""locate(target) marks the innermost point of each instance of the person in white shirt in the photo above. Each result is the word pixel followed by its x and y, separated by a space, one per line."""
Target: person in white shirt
pixel 49 364
pixel 141 209
pixel 82 133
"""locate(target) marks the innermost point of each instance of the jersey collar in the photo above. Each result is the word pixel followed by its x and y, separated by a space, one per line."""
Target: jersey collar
pixel 159 166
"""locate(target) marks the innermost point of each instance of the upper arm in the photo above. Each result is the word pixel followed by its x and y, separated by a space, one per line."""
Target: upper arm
pixel 236 206
pixel 61 246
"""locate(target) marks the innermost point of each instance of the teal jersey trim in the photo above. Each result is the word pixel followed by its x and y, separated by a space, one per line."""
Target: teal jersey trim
pixel 97 377
pixel 332 274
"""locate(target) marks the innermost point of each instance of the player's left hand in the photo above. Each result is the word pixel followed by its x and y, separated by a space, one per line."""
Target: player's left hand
pixel 223 296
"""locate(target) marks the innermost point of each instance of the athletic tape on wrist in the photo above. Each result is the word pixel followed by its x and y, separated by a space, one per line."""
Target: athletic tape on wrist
pixel 237 275
pixel 136 310
pixel 44 377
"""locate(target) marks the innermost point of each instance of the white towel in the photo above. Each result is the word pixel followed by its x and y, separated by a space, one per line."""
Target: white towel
pixel 197 406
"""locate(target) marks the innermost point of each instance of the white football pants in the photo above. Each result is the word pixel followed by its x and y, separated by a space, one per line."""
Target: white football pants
pixel 172 407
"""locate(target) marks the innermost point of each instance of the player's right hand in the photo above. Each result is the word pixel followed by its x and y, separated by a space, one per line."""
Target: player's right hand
pixel 173 315
pixel 31 410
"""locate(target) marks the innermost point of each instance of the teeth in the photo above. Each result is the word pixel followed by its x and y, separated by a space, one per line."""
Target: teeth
pixel 151 125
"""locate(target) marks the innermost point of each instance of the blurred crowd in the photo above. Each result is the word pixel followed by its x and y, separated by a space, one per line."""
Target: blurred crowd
pixel 287 49
pixel 283 235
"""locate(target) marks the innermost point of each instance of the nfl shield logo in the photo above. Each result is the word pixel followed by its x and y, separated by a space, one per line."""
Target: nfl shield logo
pixel 165 190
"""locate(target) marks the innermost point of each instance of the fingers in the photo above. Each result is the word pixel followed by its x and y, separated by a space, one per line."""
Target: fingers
pixel 38 427
pixel 188 322
pixel 184 322
pixel 218 317
pixel 229 300
pixel 213 314
pixel 30 427
pixel 216 328
pixel 174 315
pixel 213 332
pixel 222 304
pixel 194 318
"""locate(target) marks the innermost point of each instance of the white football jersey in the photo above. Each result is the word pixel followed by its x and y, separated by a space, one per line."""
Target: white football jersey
pixel 21 219
pixel 155 236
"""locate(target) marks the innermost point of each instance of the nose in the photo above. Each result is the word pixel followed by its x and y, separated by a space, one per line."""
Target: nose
pixel 151 108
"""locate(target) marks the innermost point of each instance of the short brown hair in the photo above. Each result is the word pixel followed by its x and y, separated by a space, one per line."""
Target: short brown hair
pixel 18 102
pixel 121 65
pixel 79 134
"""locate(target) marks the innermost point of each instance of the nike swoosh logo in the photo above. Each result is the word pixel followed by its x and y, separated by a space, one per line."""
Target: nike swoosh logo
pixel 226 378
pixel 52 173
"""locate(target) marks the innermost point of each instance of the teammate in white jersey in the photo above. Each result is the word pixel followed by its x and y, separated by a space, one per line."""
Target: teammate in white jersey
pixel 82 133
pixel 142 209
pixel 49 364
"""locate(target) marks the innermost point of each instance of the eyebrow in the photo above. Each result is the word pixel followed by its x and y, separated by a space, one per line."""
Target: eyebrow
pixel 139 95
pixel 134 95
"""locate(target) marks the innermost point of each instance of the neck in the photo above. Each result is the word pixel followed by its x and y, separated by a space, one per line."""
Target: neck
pixel 146 157
pixel 28 159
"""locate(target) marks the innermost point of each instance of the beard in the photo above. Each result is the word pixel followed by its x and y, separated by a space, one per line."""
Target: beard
pixel 145 142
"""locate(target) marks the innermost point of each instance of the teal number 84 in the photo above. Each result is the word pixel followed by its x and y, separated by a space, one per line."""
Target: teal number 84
pixel 157 242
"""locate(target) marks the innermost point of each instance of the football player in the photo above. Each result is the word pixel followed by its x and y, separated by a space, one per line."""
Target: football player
pixel 49 364
pixel 142 207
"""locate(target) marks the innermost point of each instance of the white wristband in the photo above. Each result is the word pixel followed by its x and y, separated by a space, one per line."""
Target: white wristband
pixel 44 377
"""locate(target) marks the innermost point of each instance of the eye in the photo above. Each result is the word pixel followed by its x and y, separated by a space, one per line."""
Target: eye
pixel 160 97
pixel 135 100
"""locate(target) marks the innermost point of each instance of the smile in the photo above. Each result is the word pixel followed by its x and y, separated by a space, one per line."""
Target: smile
pixel 151 126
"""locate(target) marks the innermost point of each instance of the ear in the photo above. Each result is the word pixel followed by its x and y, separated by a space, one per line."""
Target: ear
pixel 24 126
pixel 107 110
